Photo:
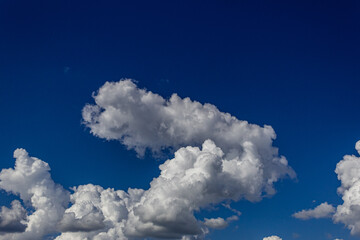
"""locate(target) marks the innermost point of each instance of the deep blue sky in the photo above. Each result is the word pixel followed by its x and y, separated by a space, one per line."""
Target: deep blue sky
pixel 294 65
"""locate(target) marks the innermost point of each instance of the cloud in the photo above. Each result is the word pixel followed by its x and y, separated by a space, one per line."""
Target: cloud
pixel 217 159
pixel 30 179
pixel 348 171
pixel 348 213
pixel 13 219
pixel 216 223
pixel 219 223
pixel 165 210
pixel 142 120
pixel 357 146
pixel 324 210
pixel 272 238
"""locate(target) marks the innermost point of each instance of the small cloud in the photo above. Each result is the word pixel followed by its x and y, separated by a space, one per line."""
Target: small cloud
pixel 272 238
pixel 324 210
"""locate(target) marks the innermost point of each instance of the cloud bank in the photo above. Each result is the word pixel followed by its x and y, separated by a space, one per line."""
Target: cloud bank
pixel 218 159
pixel 348 213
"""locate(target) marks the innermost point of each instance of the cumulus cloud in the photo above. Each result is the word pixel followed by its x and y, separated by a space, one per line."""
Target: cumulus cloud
pixel 218 159
pixel 13 219
pixel 348 213
pixel 219 223
pixel 30 179
pixel 357 146
pixel 324 210
pixel 144 120
pixel 194 179
pixel 348 171
pixel 272 238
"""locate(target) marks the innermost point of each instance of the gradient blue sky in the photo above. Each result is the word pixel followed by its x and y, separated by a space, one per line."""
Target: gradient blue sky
pixel 294 65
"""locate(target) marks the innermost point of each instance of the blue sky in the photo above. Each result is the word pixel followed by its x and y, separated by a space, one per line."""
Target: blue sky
pixel 291 65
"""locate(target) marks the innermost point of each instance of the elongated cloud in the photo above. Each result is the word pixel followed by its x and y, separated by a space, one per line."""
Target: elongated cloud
pixel 348 213
pixel 144 120
pixel 272 238
pixel 324 210
pixel 219 223
pixel 141 119
pixel 218 159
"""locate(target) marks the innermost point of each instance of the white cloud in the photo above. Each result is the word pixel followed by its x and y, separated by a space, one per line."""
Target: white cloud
pixel 216 223
pixel 324 210
pixel 165 210
pixel 13 219
pixel 348 213
pixel 357 146
pixel 348 171
pixel 219 223
pixel 227 160
pixel 272 238
pixel 30 179
pixel 144 120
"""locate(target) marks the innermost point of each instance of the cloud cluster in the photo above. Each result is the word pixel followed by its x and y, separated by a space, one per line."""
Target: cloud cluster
pixel 324 210
pixel 219 159
pixel 348 213
pixel 144 120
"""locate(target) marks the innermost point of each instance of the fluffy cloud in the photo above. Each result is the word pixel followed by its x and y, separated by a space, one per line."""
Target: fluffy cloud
pixel 141 119
pixel 30 179
pixel 348 171
pixel 144 120
pixel 165 210
pixel 324 210
pixel 348 213
pixel 219 223
pixel 272 238
pixel 220 159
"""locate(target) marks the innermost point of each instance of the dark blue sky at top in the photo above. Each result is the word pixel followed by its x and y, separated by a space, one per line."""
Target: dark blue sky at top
pixel 294 65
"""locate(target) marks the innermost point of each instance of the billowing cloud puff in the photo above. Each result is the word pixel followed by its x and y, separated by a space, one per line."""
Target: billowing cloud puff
pixel 141 119
pixel 324 210
pixel 30 179
pixel 348 171
pixel 357 146
pixel 220 159
pixel 165 210
pixel 272 238
pixel 219 223
pixel 348 213
pixel 144 120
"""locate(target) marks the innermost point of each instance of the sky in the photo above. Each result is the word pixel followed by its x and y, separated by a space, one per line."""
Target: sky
pixel 86 87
